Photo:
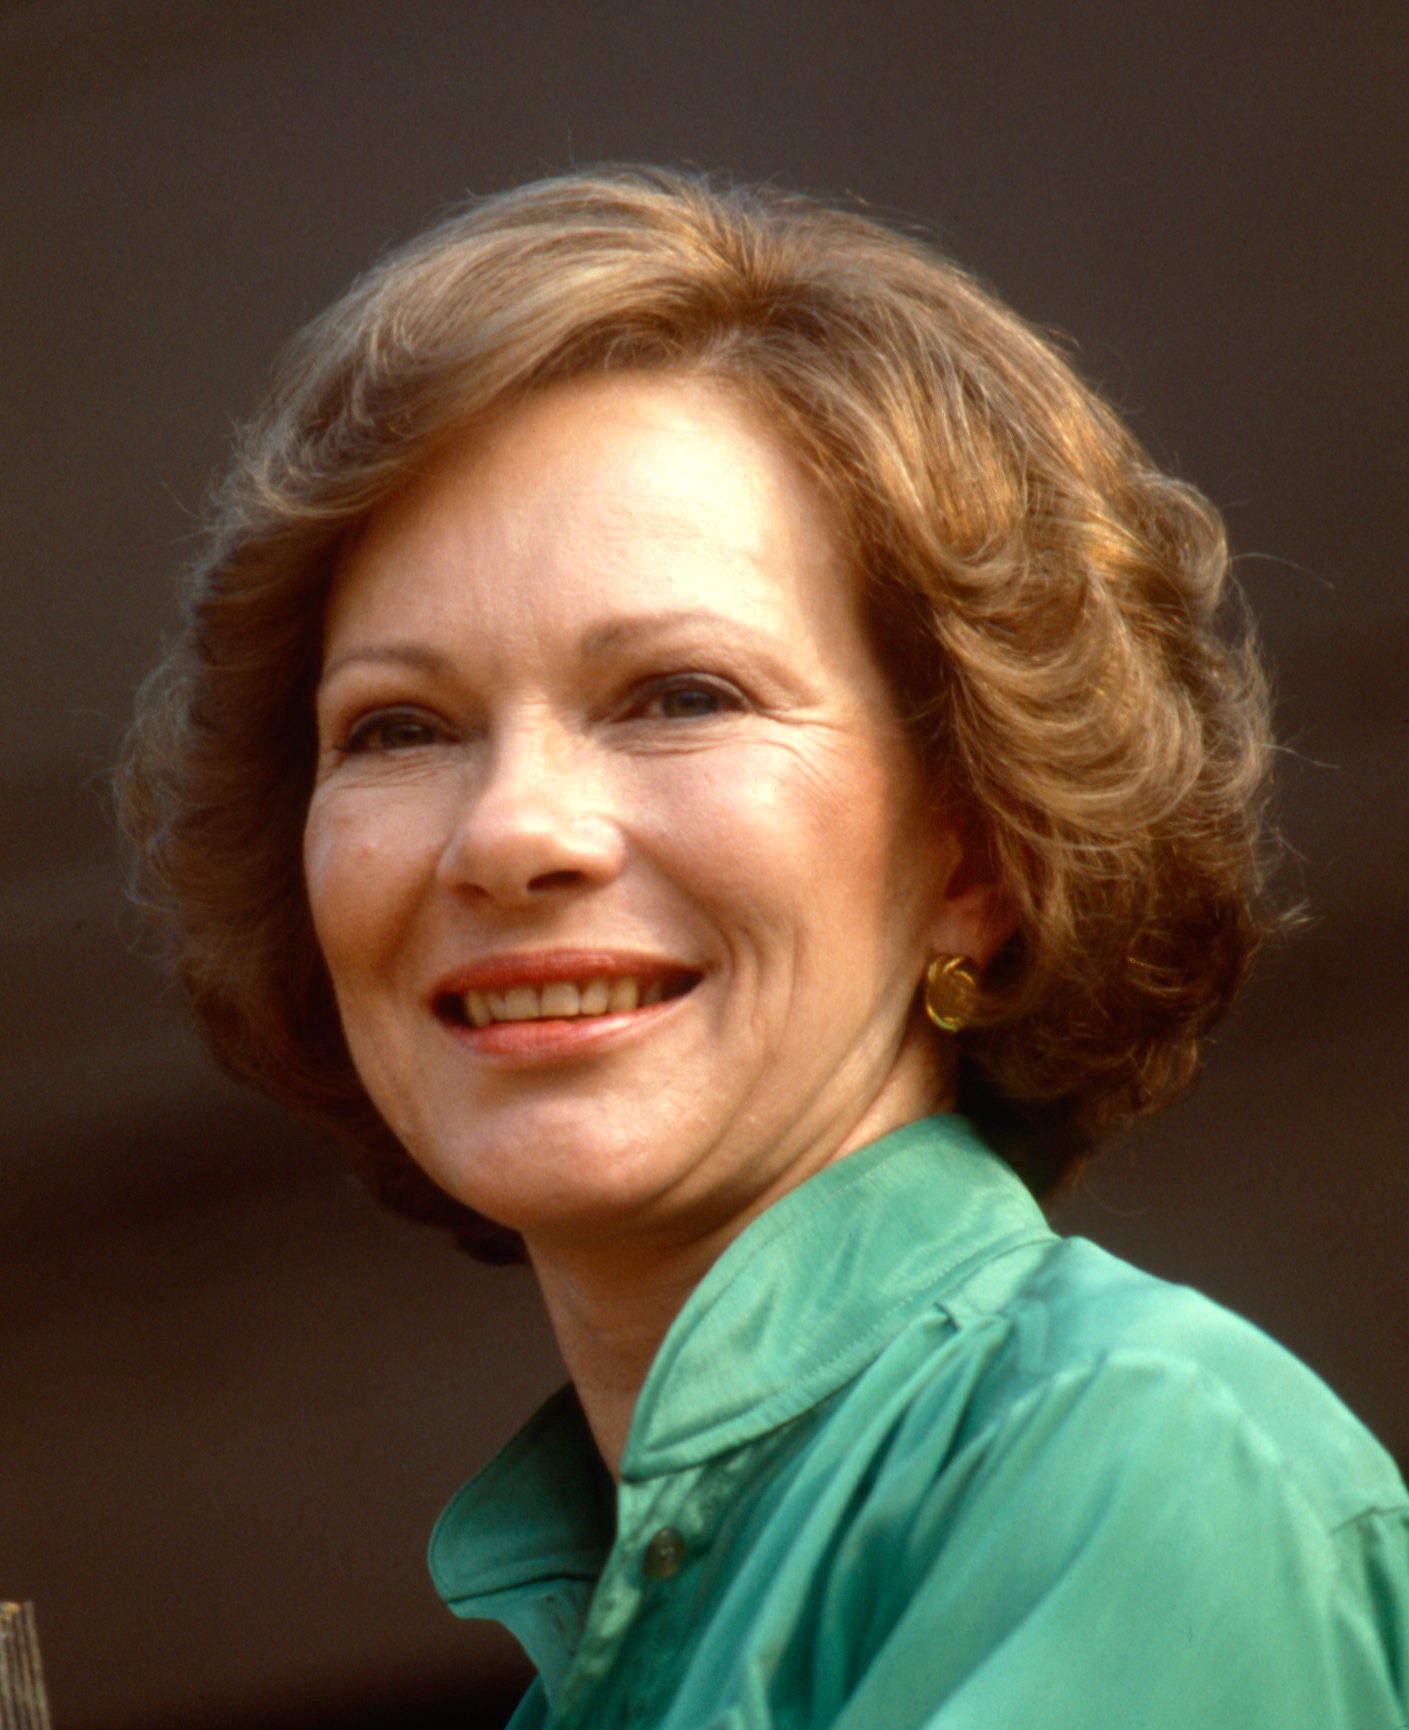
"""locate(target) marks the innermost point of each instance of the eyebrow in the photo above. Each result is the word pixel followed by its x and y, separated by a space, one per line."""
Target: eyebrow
pixel 417 655
pixel 621 633
pixel 604 639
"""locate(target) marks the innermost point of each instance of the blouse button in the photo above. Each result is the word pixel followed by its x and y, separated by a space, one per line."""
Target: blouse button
pixel 665 1555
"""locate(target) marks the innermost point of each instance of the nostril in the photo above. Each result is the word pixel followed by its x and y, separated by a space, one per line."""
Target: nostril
pixel 555 880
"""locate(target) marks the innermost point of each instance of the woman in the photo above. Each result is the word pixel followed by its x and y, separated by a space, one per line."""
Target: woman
pixel 702 751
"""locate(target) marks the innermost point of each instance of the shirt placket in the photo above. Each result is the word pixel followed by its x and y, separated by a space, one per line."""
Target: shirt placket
pixel 623 1668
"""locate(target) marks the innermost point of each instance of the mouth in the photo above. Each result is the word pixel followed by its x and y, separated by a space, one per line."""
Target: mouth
pixel 577 999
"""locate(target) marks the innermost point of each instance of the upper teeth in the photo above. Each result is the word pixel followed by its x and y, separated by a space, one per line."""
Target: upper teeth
pixel 562 998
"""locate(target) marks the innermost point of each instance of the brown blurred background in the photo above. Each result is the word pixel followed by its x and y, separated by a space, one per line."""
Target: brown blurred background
pixel 232 1395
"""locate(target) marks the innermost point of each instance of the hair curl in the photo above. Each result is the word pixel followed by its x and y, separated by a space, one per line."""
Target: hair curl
pixel 1043 596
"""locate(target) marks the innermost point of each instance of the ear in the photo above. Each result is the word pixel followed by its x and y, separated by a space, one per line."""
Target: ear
pixel 972 913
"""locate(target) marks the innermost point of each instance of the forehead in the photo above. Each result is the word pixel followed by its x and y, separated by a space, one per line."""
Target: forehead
pixel 630 490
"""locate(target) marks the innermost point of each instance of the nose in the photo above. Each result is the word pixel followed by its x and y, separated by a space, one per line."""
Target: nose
pixel 535 818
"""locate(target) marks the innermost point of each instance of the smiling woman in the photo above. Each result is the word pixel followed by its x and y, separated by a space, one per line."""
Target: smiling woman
pixel 599 717
pixel 703 752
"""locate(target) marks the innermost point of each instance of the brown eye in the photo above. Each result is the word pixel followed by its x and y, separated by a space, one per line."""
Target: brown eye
pixel 689 703
pixel 391 733
pixel 690 699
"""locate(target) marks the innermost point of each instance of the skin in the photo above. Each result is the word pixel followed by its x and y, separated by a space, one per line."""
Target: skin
pixel 597 699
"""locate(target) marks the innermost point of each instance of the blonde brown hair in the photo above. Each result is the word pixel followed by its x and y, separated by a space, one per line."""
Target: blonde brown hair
pixel 1043 596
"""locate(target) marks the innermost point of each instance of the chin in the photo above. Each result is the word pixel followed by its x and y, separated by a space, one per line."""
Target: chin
pixel 547 1177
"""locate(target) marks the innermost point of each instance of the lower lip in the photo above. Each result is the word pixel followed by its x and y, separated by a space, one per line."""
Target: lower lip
pixel 547 1039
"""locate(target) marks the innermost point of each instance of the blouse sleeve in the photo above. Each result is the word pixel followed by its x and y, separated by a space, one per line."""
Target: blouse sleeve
pixel 1126 1549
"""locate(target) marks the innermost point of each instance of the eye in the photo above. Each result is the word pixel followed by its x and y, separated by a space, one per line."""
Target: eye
pixel 394 730
pixel 688 697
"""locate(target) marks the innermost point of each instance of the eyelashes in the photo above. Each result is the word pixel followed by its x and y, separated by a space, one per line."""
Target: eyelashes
pixel 688 697
pixel 673 699
pixel 387 732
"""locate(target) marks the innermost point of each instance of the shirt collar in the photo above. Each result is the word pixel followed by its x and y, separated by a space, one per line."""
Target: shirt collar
pixel 794 1308
pixel 804 1298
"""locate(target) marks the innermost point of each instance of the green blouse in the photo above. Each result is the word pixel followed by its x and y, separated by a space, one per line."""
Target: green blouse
pixel 906 1458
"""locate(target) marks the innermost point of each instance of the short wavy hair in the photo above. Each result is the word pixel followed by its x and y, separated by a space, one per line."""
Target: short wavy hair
pixel 1043 598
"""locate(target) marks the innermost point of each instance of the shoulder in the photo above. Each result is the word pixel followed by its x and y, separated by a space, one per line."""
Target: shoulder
pixel 1053 1365
pixel 1086 1420
pixel 1171 1374
pixel 1099 1457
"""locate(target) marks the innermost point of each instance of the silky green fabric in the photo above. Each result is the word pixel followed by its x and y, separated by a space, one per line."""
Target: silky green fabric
pixel 908 1459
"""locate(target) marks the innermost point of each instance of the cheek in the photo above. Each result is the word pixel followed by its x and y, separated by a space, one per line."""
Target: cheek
pixel 742 826
pixel 821 841
pixel 361 869
pixel 874 855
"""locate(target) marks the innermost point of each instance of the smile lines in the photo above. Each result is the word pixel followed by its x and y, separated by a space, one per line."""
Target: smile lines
pixel 562 1000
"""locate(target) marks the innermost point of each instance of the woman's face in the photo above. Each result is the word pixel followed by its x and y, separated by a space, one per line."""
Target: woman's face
pixel 623 868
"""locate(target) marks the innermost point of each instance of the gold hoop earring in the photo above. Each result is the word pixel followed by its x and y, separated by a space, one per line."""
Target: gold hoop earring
pixel 951 991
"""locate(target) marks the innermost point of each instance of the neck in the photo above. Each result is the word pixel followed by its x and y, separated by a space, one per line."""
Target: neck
pixel 610 1316
pixel 612 1301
